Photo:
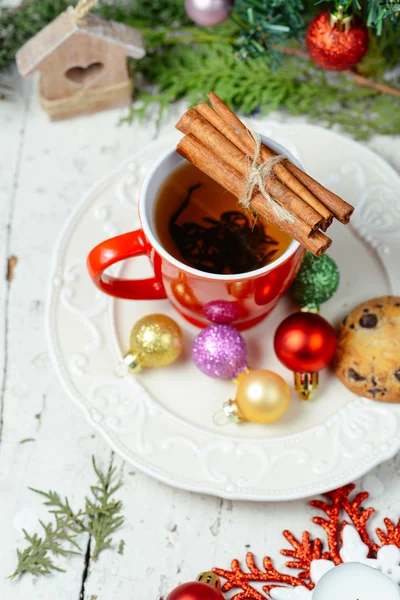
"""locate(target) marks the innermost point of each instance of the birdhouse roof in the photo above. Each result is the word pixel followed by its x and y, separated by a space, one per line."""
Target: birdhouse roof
pixel 65 25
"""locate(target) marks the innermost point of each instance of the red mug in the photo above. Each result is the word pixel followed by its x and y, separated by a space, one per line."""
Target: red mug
pixel 252 296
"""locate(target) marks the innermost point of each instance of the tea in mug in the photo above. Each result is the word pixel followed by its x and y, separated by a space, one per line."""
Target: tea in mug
pixel 202 225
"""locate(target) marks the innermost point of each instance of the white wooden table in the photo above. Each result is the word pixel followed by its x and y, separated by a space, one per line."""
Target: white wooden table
pixel 170 535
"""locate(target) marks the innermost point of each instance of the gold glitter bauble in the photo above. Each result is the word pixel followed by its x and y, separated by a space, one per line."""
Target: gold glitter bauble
pixel 156 341
pixel 262 397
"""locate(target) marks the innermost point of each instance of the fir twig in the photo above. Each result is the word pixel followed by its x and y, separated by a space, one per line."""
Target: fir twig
pixel 183 60
pixel 62 509
pixel 298 87
pixel 103 512
pixel 100 519
pixel 36 558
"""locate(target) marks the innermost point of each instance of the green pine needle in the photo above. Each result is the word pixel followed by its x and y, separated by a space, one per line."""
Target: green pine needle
pixel 298 87
pixel 121 547
pixel 185 61
pixel 36 558
pixel 100 519
pixel 103 512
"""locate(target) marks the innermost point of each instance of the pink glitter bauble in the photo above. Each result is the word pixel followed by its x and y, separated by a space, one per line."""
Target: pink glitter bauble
pixel 220 351
pixel 221 312
pixel 208 13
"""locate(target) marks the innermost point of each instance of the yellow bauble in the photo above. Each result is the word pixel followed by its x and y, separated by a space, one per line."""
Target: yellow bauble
pixel 156 341
pixel 262 397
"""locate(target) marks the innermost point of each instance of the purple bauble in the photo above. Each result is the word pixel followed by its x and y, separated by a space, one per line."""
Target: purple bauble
pixel 208 12
pixel 221 312
pixel 220 351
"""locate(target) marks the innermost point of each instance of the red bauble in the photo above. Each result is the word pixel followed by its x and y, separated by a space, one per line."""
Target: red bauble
pixel 334 48
pixel 305 342
pixel 195 590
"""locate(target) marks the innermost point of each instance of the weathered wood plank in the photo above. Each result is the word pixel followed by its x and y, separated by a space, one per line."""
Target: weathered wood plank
pixel 56 163
pixel 170 535
pixel 13 117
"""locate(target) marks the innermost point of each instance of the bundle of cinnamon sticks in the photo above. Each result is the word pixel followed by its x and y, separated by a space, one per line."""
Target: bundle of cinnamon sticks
pixel 220 145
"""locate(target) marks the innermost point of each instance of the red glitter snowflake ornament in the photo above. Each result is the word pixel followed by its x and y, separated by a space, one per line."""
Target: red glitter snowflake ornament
pixel 348 541
pixel 337 42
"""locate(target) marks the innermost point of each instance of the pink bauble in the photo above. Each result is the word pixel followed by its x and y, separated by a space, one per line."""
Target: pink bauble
pixel 220 351
pixel 208 12
pixel 221 312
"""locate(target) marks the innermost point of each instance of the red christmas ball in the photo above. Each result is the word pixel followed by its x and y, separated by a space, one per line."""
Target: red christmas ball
pixel 337 46
pixel 195 590
pixel 305 342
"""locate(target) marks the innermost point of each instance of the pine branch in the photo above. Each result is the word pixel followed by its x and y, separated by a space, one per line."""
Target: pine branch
pixel 62 509
pixel 265 25
pixel 379 12
pixel 121 547
pixel 298 87
pixel 100 519
pixel 184 61
pixel 36 558
pixel 103 512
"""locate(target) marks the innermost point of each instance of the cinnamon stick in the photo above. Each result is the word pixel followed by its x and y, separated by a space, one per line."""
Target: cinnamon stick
pixel 341 209
pixel 280 170
pixel 247 145
pixel 218 122
pixel 337 206
pixel 193 122
pixel 232 180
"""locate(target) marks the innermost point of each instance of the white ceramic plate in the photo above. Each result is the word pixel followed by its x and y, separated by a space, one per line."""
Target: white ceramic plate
pixel 161 422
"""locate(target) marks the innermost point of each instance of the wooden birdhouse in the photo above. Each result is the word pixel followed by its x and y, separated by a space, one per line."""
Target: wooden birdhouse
pixel 82 60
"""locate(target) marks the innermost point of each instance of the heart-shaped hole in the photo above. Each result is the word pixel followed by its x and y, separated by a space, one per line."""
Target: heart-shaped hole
pixel 85 75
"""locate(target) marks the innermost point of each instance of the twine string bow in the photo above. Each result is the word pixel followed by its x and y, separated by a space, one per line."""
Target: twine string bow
pixel 256 176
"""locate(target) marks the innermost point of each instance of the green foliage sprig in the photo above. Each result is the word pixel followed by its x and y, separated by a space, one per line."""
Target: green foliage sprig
pixel 185 61
pixel 100 519
pixel 298 87
pixel 103 511
pixel 379 12
pixel 265 24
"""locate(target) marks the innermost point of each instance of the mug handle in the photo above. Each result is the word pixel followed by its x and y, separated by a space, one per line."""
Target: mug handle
pixel 115 250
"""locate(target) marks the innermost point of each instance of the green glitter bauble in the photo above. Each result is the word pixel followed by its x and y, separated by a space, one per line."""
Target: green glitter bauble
pixel 317 280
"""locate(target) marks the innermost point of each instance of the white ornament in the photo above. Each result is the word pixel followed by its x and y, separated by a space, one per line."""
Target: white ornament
pixel 355 581
pixel 297 593
pixel 368 574
pixel 319 568
pixel 353 548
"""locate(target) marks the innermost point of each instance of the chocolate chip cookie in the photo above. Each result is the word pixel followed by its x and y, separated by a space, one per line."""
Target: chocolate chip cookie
pixel 367 358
